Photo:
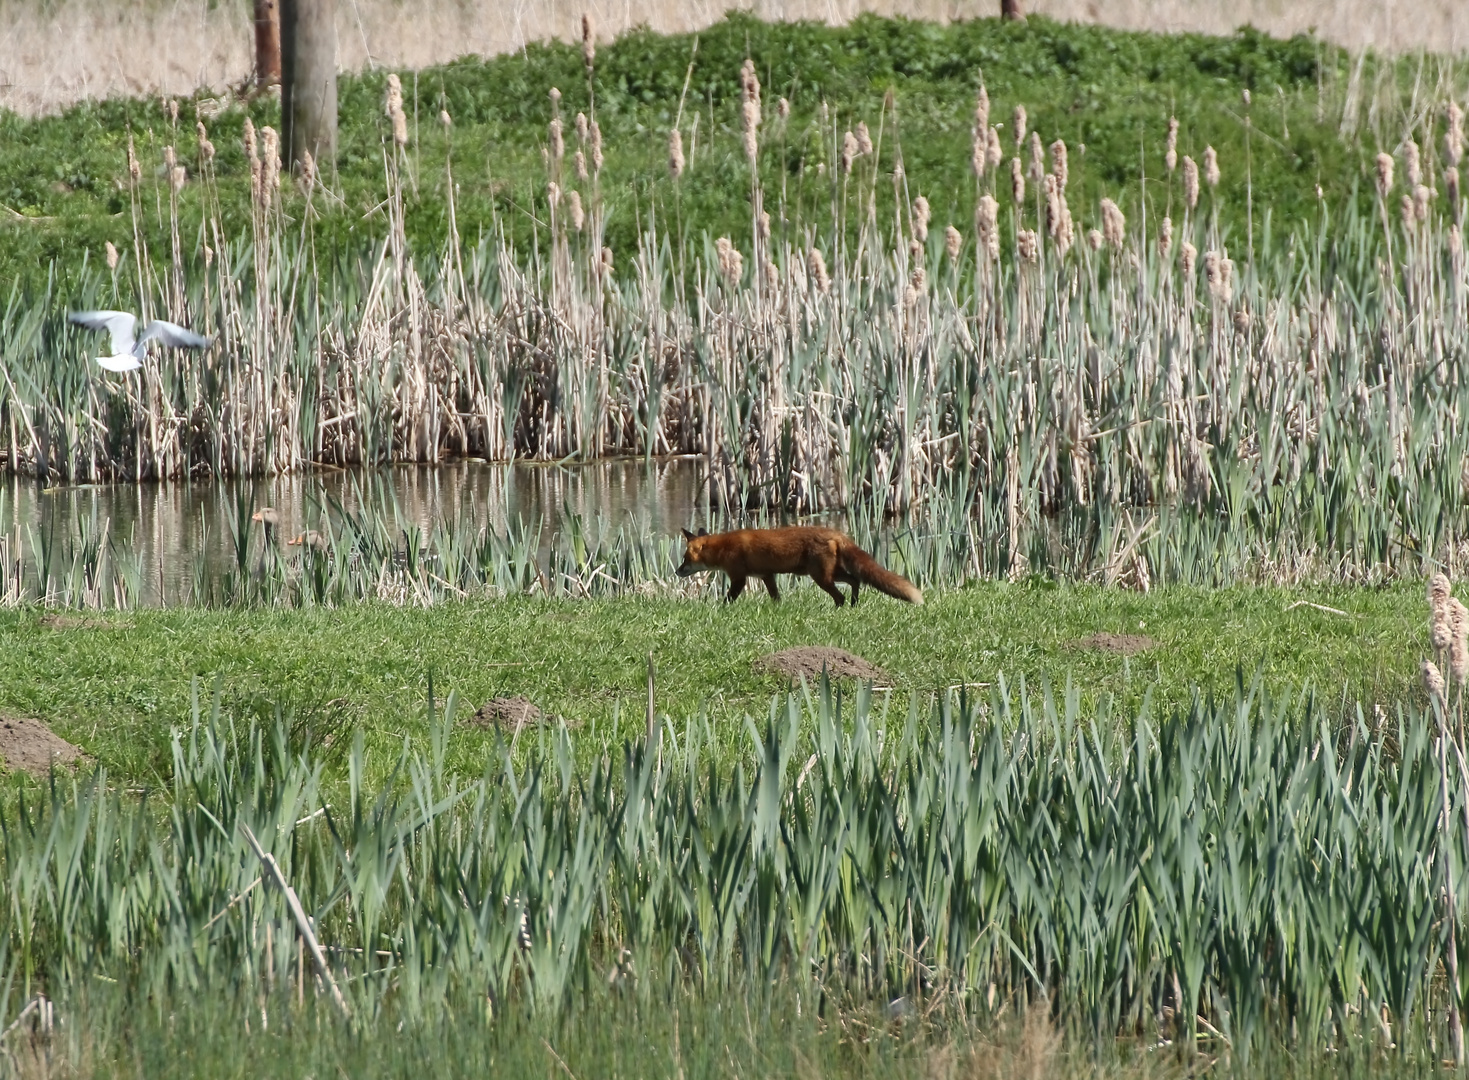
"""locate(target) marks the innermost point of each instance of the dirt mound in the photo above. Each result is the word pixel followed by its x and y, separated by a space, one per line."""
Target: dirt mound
pixel 507 712
pixel 1123 644
pixel 32 746
pixel 809 660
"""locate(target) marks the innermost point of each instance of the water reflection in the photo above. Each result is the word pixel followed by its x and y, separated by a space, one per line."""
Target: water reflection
pixel 170 527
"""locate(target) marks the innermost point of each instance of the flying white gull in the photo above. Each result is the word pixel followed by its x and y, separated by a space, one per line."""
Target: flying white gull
pixel 128 346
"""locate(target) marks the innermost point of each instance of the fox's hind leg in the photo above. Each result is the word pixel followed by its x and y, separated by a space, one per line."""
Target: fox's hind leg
pixel 826 571
pixel 852 580
pixel 824 577
pixel 736 586
pixel 769 580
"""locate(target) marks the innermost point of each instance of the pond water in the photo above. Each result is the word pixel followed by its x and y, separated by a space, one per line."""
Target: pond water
pixel 169 527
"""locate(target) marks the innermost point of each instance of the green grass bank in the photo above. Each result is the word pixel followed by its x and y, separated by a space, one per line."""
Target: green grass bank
pixel 1317 117
pixel 116 683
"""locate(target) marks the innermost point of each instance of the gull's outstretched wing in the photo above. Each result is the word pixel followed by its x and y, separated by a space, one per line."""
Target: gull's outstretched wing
pixel 126 362
pixel 172 335
pixel 120 324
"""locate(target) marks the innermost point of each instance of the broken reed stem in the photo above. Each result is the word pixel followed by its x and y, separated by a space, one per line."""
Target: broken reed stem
pixel 298 913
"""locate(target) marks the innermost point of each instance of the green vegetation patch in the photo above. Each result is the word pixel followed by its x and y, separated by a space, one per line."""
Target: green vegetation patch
pixel 116 683
pixel 1107 93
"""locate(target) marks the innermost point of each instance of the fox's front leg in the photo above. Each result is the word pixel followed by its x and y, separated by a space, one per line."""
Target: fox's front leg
pixel 736 586
pixel 769 580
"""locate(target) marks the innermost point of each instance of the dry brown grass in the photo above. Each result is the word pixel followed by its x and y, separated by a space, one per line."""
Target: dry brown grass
pixel 56 54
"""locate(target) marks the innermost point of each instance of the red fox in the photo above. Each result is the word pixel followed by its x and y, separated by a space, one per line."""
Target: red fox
pixel 826 555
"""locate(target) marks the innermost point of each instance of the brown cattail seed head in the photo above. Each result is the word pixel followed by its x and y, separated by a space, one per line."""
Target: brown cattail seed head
pixel 445 121
pixel 864 140
pixel 555 98
pixel 762 225
pixel 1094 239
pixel 1453 140
pixel 581 127
pixel 173 111
pixel 849 152
pixel 1114 225
pixel 1170 156
pixel 579 161
pixel 1439 591
pixel 206 148
pixel 981 110
pixel 1409 213
pixel 595 138
pixel 1017 180
pixel 1384 175
pixel 675 153
pixel 772 274
pixel 573 205
pixel 816 266
pixel 1190 182
pixel 1165 238
pixel 557 141
pixel 588 41
pixel 111 256
pixel 978 153
pixel 1018 122
pixel 953 242
pixel 1211 167
pixel 1027 245
pixel 1219 273
pixel 1440 633
pixel 393 103
pixel 1065 229
pixel 921 216
pixel 270 157
pixel 1053 203
pixel 782 110
pixel 250 151
pixel 987 225
pixel 749 82
pixel 1421 195
pixel 1459 632
pixel 1188 257
pixel 176 177
pixel 553 195
pixel 606 261
pixel 1058 164
pixel 1433 683
pixel 169 158
pixel 1037 159
pixel 750 115
pixel 1412 163
pixel 915 250
pixel 308 169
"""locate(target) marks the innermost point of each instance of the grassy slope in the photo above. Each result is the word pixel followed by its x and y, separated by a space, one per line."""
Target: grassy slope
pixel 116 692
pixel 1109 90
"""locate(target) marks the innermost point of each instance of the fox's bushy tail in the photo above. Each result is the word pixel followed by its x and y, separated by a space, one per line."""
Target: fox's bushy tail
pixel 870 572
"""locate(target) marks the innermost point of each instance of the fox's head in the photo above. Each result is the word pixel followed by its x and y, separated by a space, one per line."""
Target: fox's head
pixel 692 560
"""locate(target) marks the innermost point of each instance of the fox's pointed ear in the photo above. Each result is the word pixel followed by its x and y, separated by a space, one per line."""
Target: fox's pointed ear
pixel 703 532
pixel 686 534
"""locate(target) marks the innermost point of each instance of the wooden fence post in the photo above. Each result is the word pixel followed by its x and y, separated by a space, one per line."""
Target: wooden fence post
pixel 267 43
pixel 309 80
